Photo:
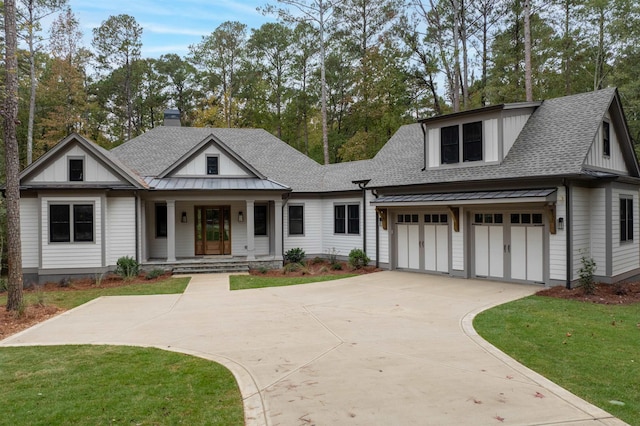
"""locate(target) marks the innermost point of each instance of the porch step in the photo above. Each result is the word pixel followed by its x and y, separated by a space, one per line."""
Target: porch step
pixel 211 268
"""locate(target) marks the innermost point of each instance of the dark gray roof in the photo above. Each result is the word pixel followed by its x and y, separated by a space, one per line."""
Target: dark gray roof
pixel 465 196
pixel 156 150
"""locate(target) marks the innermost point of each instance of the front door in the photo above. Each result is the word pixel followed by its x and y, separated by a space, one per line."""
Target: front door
pixel 212 230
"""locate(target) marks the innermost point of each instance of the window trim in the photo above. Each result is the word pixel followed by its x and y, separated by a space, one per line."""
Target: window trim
pixel 462 143
pixel 158 234
pixel 606 139
pixel 72 223
pixel 457 145
pixel 289 220
pixel 266 220
pixel 206 164
pixel 626 222
pixel 84 168
pixel 466 141
pixel 345 222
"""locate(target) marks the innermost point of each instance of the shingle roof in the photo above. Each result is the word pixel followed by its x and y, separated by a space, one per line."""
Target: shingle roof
pixel 554 142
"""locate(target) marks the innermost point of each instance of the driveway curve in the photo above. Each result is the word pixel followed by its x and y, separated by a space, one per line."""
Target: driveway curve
pixel 380 349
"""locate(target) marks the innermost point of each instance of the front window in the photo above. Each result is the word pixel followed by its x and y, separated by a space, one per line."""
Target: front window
pixel 76 169
pixel 339 217
pixel 626 219
pixel 606 141
pixel 212 165
pixel 296 220
pixel 67 220
pixel 260 220
pixel 449 145
pixel 161 220
pixel 353 219
pixel 472 141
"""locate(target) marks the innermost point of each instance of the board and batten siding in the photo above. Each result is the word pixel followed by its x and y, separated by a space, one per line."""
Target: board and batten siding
pixel 625 254
pixel 558 242
pixel 457 242
pixel 120 228
pixel 29 232
pixel 197 166
pixel 341 244
pixel 491 140
pixel 433 147
pixel 311 241
pixel 598 232
pixel 615 159
pixel 581 227
pixel 58 171
pixel 71 255
pixel 512 125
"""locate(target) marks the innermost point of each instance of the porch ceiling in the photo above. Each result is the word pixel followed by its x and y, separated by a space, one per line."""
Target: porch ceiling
pixel 466 198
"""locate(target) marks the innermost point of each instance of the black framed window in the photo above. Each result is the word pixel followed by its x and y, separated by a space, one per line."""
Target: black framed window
pixel 76 169
pixel 212 165
pixel 339 217
pixel 161 220
pixel 296 220
pixel 59 223
pixel 353 219
pixel 472 141
pixel 626 219
pixel 67 220
pixel 260 220
pixel 606 141
pixel 449 145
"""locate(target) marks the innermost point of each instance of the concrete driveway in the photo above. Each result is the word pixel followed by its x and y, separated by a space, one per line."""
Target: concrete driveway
pixel 389 348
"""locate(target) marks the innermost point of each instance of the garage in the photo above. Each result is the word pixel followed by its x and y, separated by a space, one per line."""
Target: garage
pixel 422 242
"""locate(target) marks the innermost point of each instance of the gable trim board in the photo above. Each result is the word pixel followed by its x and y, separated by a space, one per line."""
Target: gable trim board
pixel 540 198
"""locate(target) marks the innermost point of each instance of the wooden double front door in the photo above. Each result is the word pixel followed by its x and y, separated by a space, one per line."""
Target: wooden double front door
pixel 212 230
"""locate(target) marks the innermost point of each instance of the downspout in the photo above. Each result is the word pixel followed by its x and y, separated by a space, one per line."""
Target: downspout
pixel 375 194
pixel 362 185
pixel 137 217
pixel 424 146
pixel 567 225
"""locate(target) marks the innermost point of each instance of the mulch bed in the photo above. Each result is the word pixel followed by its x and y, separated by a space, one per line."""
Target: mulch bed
pixel 606 294
pixel 314 267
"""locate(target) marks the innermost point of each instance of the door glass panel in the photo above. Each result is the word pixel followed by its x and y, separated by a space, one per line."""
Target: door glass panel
pixel 414 218
pixel 226 224
pixel 488 218
pixel 198 225
pixel 536 218
pixel 526 218
pixel 478 218
pixel 515 218
pixel 427 218
pixel 497 218
pixel 443 218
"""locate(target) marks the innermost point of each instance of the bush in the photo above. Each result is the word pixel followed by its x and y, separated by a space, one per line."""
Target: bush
pixel 127 267
pixel 294 255
pixel 317 260
pixel 154 273
pixel 333 255
pixel 586 274
pixel 336 266
pixel 358 258
pixel 291 267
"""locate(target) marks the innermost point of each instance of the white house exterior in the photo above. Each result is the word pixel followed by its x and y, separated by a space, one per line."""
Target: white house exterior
pixel 517 192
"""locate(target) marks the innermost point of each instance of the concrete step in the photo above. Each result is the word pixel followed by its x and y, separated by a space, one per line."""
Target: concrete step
pixel 211 268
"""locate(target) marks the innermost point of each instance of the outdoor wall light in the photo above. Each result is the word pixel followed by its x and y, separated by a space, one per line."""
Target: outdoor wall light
pixel 561 223
pixel 183 219
pixel 240 217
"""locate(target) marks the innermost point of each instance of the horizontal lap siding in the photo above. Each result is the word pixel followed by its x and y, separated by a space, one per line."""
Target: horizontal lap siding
pixel 121 229
pixel 29 229
pixel 558 242
pixel 625 254
pixel 341 243
pixel 71 255
pixel 311 241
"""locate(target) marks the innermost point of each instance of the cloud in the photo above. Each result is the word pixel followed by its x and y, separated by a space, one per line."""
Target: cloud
pixel 170 30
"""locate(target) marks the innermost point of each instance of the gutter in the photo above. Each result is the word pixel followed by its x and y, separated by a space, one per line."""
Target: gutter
pixel 362 185
pixel 424 146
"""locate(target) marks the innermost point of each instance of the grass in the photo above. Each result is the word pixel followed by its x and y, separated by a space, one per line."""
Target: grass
pixel 244 282
pixel 587 348
pixel 71 299
pixel 99 385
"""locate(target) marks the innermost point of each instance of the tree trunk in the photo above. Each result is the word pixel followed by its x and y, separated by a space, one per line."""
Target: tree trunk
pixel 12 161
pixel 34 83
pixel 456 56
pixel 323 83
pixel 527 51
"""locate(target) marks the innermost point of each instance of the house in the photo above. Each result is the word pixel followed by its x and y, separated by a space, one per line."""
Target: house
pixel 518 192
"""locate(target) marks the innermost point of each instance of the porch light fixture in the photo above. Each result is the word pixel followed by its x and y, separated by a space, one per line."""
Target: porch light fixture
pixel 240 217
pixel 561 223
pixel 183 219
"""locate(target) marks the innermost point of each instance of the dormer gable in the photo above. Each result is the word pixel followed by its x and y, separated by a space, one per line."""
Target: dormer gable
pixel 77 162
pixel 213 159
pixel 474 137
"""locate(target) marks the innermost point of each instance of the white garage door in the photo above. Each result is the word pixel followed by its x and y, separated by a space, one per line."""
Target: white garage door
pixel 436 243
pixel 489 245
pixel 527 232
pixel 408 241
pixel 422 242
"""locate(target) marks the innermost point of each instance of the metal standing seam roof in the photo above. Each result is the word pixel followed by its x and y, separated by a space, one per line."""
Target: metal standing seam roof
pixel 465 196
pixel 222 184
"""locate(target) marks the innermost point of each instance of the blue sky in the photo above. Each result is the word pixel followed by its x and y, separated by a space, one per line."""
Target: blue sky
pixel 170 26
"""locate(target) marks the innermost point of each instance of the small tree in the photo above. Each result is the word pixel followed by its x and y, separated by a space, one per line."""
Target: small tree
pixel 586 274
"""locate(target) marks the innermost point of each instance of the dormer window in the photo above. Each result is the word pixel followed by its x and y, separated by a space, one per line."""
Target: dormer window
pixel 606 141
pixel 212 165
pixel 471 145
pixel 76 169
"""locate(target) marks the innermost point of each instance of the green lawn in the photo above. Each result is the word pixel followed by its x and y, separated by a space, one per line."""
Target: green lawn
pixel 100 385
pixel 71 299
pixel 243 282
pixel 592 350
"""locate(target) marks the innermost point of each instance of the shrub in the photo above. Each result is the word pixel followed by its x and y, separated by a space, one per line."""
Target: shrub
pixel 358 258
pixel 294 255
pixel 64 282
pixel 291 267
pixel 333 255
pixel 586 274
pixel 336 266
pixel 127 267
pixel 154 273
pixel 317 260
pixel 263 270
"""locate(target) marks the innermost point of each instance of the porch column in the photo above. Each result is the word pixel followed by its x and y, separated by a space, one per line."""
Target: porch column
pixel 142 235
pixel 277 234
pixel 171 230
pixel 251 245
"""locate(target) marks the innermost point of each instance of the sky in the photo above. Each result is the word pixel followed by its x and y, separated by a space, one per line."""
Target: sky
pixel 170 26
